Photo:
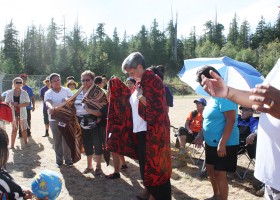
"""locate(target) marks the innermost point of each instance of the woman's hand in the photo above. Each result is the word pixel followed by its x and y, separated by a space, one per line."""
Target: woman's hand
pixel 198 141
pixel 139 91
pixel 14 103
pixel 28 194
pixel 86 107
pixel 215 86
pixel 266 98
pixel 250 139
pixel 51 110
pixel 221 150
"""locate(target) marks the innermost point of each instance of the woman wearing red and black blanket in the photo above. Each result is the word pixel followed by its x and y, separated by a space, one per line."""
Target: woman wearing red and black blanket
pixel 150 125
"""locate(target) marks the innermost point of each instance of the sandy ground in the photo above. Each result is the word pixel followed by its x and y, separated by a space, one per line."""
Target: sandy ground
pixel 186 182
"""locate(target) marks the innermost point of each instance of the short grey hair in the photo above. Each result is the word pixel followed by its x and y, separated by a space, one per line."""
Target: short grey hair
pixel 132 61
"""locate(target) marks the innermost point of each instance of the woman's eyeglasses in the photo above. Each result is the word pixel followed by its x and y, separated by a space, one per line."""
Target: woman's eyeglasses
pixel 18 82
pixel 85 80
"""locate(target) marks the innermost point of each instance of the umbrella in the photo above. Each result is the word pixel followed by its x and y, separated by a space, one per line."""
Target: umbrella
pixel 239 75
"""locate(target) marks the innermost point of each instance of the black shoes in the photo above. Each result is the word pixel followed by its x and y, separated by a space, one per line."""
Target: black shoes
pixel 46 134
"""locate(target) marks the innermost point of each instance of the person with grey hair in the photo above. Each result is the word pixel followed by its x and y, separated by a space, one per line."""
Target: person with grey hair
pixel 53 97
pixel 150 123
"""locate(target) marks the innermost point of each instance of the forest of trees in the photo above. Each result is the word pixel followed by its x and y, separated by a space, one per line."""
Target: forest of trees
pixel 51 49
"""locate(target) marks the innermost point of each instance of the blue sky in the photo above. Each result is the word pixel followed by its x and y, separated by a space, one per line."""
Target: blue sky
pixel 130 15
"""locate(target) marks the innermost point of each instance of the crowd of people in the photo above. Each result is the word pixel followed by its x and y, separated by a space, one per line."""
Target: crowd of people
pixel 131 119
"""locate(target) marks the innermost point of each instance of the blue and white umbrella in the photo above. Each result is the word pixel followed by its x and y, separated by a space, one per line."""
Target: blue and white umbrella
pixel 239 75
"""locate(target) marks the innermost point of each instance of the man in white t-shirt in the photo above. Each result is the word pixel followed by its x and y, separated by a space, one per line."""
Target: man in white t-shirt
pixel 53 97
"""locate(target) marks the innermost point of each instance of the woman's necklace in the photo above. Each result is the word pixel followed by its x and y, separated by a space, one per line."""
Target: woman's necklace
pixel 17 93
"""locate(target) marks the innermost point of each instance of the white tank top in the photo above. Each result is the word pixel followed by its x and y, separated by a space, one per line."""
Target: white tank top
pixel 139 124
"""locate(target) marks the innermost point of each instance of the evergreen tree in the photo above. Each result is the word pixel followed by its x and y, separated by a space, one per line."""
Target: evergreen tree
pixel 258 36
pixel 218 37
pixel 157 45
pixel 114 49
pixel 32 51
pixel 76 52
pixel 172 66
pixel 101 61
pixel 51 46
pixel 209 31
pixel 244 35
pixel 233 34
pixel 277 27
pixel 11 51
pixel 190 45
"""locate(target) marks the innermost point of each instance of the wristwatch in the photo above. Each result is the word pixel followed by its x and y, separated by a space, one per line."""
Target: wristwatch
pixel 140 96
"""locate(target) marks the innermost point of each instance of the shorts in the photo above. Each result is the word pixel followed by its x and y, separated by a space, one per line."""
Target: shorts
pixel 94 137
pixel 227 163
pixel 46 117
pixel 91 139
pixel 189 137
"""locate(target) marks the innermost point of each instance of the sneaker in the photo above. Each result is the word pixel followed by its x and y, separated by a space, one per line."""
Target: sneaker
pixel 124 167
pixel 87 170
pixel 58 165
pixel 260 192
pixel 182 152
pixel 69 165
pixel 113 176
pixel 97 172
pixel 214 197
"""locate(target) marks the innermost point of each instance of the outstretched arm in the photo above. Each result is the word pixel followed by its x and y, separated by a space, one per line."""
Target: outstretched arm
pixel 263 98
pixel 217 87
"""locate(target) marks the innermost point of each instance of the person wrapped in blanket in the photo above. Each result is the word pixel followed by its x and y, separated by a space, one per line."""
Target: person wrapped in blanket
pixel 54 97
pixel 9 189
pixel 151 126
pixel 92 120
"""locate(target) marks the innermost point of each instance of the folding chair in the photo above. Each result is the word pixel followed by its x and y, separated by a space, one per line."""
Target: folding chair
pixel 203 171
pixel 192 150
pixel 243 152
pixel 195 153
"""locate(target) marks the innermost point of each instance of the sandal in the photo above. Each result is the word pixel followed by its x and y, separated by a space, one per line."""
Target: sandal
pixel 141 198
pixel 87 170
pixel 124 167
pixel 113 176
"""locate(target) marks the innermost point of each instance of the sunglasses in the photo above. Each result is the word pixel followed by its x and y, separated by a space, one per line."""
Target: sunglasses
pixel 85 80
pixel 18 82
